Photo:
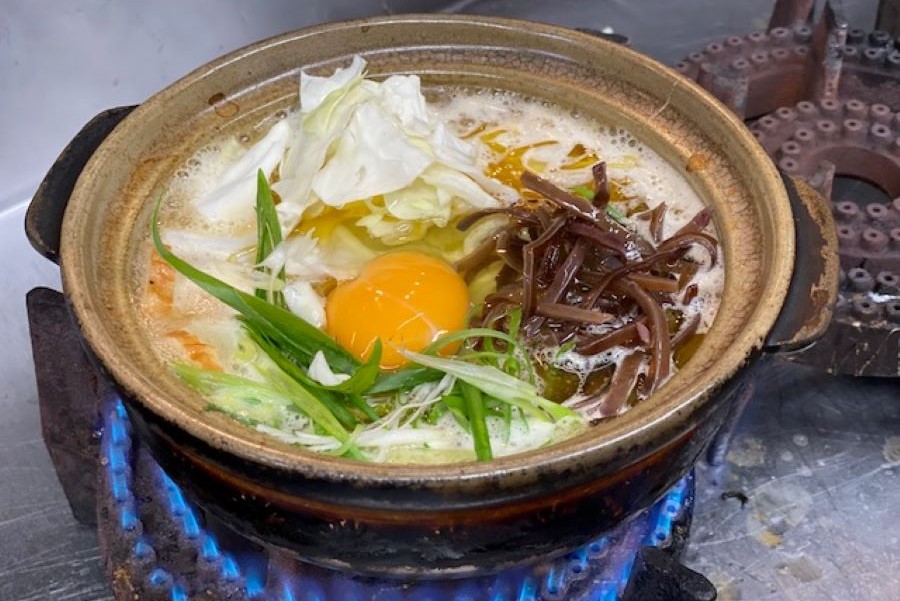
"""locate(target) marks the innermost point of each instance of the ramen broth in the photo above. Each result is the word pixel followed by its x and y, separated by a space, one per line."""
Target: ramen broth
pixel 332 245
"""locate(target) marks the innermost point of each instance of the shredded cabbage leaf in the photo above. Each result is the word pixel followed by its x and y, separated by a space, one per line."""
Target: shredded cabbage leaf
pixel 353 139
pixel 376 146
pixel 235 197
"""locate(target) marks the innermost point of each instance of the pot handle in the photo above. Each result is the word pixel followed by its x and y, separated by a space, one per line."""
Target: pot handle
pixel 43 220
pixel 813 289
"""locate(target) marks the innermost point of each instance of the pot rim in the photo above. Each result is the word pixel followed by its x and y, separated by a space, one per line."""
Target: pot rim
pixel 661 422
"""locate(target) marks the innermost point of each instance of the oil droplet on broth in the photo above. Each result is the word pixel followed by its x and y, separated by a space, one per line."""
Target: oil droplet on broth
pixel 512 162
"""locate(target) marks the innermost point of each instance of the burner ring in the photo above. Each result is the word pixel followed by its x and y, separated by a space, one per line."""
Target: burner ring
pixel 807 86
pixel 762 71
pixel 816 141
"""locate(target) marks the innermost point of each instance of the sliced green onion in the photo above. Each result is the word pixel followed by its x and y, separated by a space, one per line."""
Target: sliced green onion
pixel 403 379
pixel 499 385
pixel 435 412
pixel 300 339
pixel 411 376
pixel 466 334
pixel 614 213
pixel 514 322
pixel 348 448
pixel 249 401
pixel 475 411
pixel 364 376
pixel 361 380
pixel 457 406
pixel 313 406
pixel 506 410
pixel 279 392
pixel 565 348
pixel 339 411
pixel 268 231
pixel 495 357
pixel 583 191
pixel 360 403
pixel 588 194
pixel 617 214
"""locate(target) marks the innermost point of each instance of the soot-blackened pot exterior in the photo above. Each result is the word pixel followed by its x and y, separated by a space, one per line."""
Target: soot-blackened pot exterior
pixel 450 519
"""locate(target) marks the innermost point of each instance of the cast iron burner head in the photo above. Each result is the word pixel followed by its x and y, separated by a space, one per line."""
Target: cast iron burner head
pixel 824 100
pixel 160 547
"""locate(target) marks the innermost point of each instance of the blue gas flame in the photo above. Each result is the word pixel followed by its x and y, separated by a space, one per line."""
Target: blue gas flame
pixel 249 572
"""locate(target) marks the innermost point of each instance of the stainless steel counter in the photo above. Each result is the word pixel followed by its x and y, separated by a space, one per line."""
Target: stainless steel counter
pixel 817 457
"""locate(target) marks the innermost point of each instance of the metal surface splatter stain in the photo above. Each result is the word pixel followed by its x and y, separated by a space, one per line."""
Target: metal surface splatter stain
pixel 891 450
pixel 801 568
pixel 748 452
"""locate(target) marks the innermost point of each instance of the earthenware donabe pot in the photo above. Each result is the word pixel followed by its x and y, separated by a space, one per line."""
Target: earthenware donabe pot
pixel 781 278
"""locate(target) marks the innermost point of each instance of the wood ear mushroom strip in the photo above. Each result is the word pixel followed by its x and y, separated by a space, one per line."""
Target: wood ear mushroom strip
pixel 576 274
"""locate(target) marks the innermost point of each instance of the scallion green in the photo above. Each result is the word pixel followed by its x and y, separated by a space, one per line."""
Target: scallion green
pixel 268 231
pixel 475 411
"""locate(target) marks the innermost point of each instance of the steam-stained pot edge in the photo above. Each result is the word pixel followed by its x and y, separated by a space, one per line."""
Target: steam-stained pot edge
pixel 208 452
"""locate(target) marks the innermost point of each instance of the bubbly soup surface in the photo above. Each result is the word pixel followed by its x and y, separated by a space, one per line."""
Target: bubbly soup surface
pixel 400 266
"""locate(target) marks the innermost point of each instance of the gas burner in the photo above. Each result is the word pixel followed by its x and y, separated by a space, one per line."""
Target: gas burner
pixel 797 59
pixel 824 98
pixel 810 140
pixel 160 547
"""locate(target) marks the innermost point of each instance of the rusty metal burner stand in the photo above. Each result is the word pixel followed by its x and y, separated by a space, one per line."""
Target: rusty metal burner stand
pixel 822 98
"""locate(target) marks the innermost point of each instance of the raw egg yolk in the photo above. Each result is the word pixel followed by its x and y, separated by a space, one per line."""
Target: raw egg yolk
pixel 405 299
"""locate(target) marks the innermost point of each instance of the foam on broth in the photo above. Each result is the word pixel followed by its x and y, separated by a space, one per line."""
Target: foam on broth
pixel 562 147
pixel 638 170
